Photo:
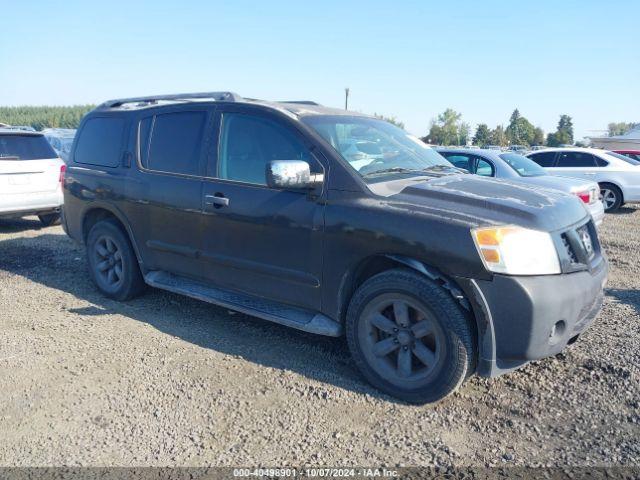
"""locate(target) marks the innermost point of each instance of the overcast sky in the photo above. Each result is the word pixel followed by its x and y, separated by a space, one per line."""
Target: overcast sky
pixel 406 59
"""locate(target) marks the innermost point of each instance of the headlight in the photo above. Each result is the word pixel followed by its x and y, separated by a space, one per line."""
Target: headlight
pixel 516 250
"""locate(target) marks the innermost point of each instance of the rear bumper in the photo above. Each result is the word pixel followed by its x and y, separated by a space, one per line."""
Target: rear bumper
pixel 529 318
pixel 30 203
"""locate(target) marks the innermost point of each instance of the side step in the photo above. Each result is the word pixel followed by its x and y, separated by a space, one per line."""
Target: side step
pixel 290 316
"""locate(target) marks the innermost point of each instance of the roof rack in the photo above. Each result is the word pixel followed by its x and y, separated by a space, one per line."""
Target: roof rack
pixel 300 102
pixel 217 96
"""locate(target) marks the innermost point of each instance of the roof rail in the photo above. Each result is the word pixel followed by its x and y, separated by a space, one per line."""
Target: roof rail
pixel 300 102
pixel 217 96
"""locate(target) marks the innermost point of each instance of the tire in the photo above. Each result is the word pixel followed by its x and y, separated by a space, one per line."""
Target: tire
pixel 611 197
pixel 376 310
pixel 112 262
pixel 49 219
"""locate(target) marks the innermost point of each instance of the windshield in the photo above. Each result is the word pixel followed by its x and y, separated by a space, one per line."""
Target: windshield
pixel 624 157
pixel 25 147
pixel 377 149
pixel 522 165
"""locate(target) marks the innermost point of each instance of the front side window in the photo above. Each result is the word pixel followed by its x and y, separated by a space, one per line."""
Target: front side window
pixel 100 142
pixel 523 166
pixel 576 159
pixel 376 149
pixel 248 143
pixel 172 142
pixel 544 159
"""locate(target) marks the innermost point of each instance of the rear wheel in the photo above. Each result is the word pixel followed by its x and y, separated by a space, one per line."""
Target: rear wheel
pixel 49 219
pixel 611 197
pixel 112 262
pixel 409 337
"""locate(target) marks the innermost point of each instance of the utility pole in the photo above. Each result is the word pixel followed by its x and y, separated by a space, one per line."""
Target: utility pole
pixel 346 98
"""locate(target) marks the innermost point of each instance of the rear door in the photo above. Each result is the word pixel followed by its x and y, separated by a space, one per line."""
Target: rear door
pixel 167 216
pixel 28 165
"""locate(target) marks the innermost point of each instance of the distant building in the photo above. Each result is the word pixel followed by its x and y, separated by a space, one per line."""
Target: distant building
pixel 628 141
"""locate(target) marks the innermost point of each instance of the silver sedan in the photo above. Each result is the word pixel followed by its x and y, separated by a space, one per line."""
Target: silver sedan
pixel 516 167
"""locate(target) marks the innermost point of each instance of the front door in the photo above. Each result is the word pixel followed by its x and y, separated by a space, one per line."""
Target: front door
pixel 258 240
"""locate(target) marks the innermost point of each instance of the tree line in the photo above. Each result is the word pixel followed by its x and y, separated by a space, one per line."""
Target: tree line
pixel 448 128
pixel 44 116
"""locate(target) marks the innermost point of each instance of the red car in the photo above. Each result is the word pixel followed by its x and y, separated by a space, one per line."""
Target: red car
pixel 633 154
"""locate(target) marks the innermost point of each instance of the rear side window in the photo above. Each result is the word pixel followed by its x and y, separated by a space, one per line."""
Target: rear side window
pixel 544 159
pixel 25 147
pixel 458 159
pixel 100 142
pixel 576 159
pixel 172 142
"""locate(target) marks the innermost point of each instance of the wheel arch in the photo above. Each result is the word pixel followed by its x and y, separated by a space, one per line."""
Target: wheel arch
pixel 379 263
pixel 95 213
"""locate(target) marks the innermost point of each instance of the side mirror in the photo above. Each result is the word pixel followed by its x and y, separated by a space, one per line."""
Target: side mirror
pixel 292 174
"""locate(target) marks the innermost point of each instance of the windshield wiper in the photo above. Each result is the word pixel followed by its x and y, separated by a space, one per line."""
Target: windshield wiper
pixel 390 170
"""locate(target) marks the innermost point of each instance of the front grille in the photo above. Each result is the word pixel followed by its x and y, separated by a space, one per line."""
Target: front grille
pixel 579 247
pixel 571 255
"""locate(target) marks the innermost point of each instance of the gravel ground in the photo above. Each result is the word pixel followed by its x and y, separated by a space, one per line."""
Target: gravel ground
pixel 166 380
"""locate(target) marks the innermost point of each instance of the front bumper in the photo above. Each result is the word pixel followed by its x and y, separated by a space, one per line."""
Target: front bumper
pixel 529 318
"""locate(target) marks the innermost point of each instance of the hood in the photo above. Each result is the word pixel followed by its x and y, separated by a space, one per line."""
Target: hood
pixel 565 184
pixel 480 201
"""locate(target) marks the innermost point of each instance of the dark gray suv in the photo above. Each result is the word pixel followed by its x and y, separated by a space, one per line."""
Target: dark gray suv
pixel 335 223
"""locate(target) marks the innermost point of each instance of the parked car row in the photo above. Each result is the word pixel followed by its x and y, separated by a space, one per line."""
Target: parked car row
pixel 515 167
pixel 617 175
pixel 337 223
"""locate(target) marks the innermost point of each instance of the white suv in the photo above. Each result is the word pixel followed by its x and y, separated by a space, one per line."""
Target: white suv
pixel 31 176
pixel 617 175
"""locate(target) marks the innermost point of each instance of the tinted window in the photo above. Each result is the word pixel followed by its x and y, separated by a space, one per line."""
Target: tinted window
pixel 249 143
pixel 175 142
pixel 25 147
pixel 576 159
pixel 544 159
pixel 100 142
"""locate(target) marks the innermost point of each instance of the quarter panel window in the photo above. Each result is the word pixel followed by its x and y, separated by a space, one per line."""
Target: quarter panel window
pixel 174 142
pixel 100 142
pixel 248 143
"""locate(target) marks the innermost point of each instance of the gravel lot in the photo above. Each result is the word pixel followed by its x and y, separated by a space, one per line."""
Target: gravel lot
pixel 166 380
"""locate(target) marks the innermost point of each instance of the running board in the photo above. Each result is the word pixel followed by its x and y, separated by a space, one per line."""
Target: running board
pixel 287 315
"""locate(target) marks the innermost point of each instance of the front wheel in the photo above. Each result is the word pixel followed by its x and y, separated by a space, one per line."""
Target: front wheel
pixel 611 197
pixel 409 337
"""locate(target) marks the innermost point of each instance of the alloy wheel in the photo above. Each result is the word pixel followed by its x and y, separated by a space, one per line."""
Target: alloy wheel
pixel 108 263
pixel 402 340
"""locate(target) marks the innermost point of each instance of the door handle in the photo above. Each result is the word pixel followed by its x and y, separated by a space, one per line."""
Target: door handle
pixel 591 174
pixel 217 200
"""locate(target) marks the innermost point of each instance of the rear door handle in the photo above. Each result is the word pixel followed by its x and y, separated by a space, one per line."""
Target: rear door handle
pixel 216 200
